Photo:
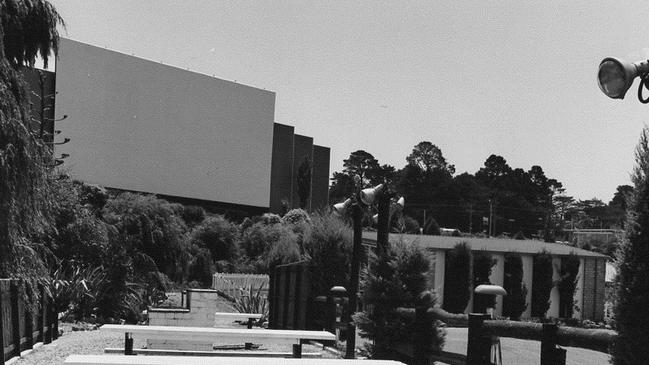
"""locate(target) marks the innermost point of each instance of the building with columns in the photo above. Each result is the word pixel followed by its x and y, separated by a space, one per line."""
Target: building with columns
pixel 589 295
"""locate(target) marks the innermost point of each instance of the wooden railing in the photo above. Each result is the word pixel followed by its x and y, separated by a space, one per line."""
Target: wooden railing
pixel 20 327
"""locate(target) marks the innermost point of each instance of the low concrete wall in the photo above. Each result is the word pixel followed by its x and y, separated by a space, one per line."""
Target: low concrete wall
pixel 201 306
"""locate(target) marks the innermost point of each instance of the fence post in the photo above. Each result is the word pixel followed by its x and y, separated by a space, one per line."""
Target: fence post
pixel 478 346
pixel 550 353
pixel 29 317
pixel 15 317
pixel 55 321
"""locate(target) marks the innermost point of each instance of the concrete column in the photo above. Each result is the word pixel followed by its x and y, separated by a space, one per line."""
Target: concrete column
pixel 528 266
pixel 578 299
pixel 440 266
pixel 497 277
pixel 553 311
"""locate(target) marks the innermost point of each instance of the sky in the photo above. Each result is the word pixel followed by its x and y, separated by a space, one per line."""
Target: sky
pixel 475 78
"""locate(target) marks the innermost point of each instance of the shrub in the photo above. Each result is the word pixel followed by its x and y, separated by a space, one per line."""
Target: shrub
pixel 632 308
pixel 514 303
pixel 252 301
pixel 482 264
pixel 265 246
pixel 151 226
pixel 567 284
pixel 329 250
pixel 410 225
pixel 396 278
pixel 457 274
pixel 76 288
pixel 296 216
pixel 193 215
pixel 542 284
pixel 431 227
pixel 219 236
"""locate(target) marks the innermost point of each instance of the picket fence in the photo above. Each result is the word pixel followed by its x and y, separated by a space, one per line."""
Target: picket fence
pixel 234 285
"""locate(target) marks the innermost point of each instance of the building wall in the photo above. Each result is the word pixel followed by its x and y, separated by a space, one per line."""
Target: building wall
pixel 302 149
pixel 320 178
pixel 528 269
pixel 143 126
pixel 281 175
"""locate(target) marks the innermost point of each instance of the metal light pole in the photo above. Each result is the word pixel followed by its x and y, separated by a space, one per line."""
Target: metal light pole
pixel 357 217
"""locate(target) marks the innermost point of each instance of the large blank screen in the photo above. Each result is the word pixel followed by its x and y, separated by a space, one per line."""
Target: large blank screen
pixel 140 125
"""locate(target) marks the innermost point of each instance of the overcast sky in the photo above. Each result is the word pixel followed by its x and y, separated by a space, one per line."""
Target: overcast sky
pixel 513 78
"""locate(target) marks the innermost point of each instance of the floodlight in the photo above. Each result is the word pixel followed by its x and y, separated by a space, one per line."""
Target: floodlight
pixel 490 289
pixel 616 76
pixel 401 203
pixel 368 195
pixel 340 208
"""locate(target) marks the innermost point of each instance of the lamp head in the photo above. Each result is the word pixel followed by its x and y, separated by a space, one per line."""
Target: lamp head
pixel 401 203
pixel 615 76
pixel 340 208
pixel 369 195
pixel 375 219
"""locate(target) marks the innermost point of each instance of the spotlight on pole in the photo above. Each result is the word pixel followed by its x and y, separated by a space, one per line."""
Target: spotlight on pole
pixel 368 195
pixel 401 203
pixel 340 208
pixel 615 76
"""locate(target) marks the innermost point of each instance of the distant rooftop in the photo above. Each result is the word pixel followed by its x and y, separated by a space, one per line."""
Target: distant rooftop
pixel 503 245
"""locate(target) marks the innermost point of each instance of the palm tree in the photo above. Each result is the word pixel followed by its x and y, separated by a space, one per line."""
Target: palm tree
pixel 27 30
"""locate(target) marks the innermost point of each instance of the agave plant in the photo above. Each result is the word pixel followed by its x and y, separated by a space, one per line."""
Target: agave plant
pixel 75 288
pixel 252 301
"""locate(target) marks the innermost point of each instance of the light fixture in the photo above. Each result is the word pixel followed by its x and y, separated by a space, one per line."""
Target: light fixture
pixel 615 77
pixel 368 195
pixel 401 202
pixel 340 208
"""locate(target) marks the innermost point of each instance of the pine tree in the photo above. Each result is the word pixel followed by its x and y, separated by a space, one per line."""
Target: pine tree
pixel 632 309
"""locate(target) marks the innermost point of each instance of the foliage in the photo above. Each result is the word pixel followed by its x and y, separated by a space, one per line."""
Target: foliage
pixel 76 288
pixel 395 278
pixel 428 157
pixel 514 303
pixel 304 182
pixel 567 284
pixel 410 225
pixel 252 301
pixel 632 309
pixel 267 245
pixel 193 215
pixel 329 251
pixel 151 226
pixel 457 273
pixel 295 216
pixel 28 30
pixel 542 284
pixel 482 265
pixel 219 236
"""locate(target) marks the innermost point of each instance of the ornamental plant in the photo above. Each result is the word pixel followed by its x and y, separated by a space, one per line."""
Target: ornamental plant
pixel 457 277
pixel 514 302
pixel 541 284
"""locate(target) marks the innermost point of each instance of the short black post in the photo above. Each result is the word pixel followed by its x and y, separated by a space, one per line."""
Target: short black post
pixel 250 322
pixel 297 351
pixel 478 346
pixel 47 320
pixel 128 344
pixel 550 353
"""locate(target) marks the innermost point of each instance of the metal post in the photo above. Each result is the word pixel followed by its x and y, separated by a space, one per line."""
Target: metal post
pixel 383 231
pixel 15 317
pixel 297 351
pixel 357 215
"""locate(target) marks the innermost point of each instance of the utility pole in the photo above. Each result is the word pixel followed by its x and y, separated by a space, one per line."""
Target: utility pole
pixel 491 217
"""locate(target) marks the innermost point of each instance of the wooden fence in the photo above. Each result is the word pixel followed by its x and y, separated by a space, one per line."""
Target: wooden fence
pixel 289 297
pixel 21 328
pixel 233 284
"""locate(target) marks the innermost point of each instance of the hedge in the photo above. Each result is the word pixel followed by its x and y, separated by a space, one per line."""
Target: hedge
pixel 541 284
pixel 514 303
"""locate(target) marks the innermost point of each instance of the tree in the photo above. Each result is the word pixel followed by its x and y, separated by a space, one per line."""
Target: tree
pixel 27 29
pixel 632 309
pixel 304 182
pixel 428 157
pixel 514 303
pixel 362 166
pixel 483 262
pixel 542 284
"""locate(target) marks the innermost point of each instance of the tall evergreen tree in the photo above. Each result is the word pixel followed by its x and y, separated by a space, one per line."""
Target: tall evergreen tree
pixel 632 309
